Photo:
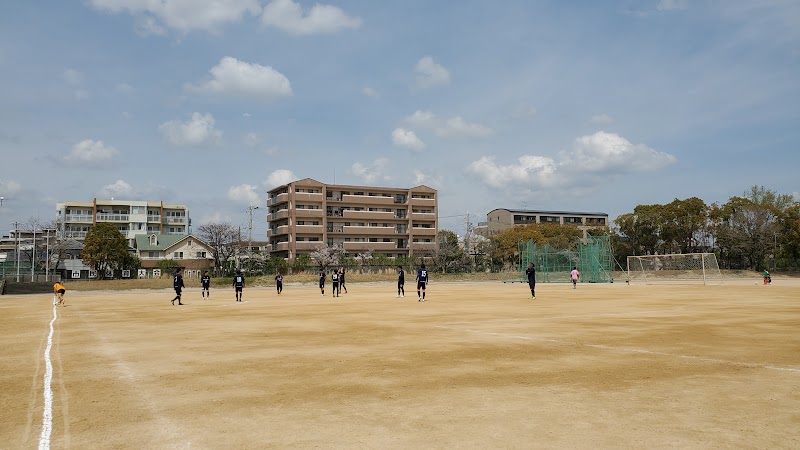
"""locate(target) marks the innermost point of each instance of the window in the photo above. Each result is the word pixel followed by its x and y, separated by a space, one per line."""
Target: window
pixel 201 254
pixel 152 254
pixel 177 255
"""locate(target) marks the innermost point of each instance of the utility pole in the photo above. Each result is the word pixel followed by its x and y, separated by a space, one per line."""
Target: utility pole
pixel 250 228
pixel 33 253
pixel 16 241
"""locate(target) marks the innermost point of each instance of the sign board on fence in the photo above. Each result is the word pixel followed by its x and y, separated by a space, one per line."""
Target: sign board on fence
pixel 76 274
pixel 156 273
pixel 126 273
pixel 142 273
pixel 92 274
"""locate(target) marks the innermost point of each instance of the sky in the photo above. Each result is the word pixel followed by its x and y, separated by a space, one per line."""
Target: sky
pixel 577 106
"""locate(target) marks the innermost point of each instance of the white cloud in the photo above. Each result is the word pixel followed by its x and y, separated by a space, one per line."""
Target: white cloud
pixel 231 77
pixel 430 74
pixel 288 16
pixel 90 152
pixel 370 172
pixel 119 188
pixel 72 76
pixel 529 170
pixel 181 15
pixel 251 139
pixel 279 177
pixel 370 92
pixel 408 139
pixel 198 130
pixel 124 88
pixel 9 187
pixel 610 152
pixel 672 5
pixel 601 119
pixel 601 153
pixel 454 127
pixel 421 177
pixel 245 194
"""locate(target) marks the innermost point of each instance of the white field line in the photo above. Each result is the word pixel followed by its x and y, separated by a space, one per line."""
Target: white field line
pixel 614 348
pixel 47 417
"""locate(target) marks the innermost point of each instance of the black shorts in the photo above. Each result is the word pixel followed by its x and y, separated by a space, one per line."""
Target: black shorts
pixel 321 284
pixel 61 291
pixel 178 290
pixel 238 288
pixel 205 288
pixel 335 285
pixel 421 285
pixel 279 284
pixel 532 284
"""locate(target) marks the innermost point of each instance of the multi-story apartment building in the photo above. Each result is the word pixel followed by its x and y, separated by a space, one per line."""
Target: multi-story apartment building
pixel 501 219
pixel 305 214
pixel 132 218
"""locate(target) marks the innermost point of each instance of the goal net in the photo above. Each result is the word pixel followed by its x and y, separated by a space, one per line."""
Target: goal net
pixel 687 268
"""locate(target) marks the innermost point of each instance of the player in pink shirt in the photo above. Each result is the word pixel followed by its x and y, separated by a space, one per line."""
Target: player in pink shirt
pixel 574 275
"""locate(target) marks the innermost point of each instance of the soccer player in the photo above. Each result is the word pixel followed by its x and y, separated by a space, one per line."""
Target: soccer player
pixel 238 284
pixel 177 283
pixel 322 276
pixel 401 280
pixel 422 280
pixel 279 282
pixel 531 274
pixel 205 284
pixel 335 281
pixel 574 275
pixel 767 279
pixel 341 280
pixel 59 290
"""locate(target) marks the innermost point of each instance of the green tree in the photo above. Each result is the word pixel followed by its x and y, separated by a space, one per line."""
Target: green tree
pixel 301 263
pixel 104 248
pixel 747 227
pixel 167 265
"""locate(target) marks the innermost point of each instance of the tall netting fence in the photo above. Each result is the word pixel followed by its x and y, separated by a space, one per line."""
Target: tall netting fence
pixel 591 256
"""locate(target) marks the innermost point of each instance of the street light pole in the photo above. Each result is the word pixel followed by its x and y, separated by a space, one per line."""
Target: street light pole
pixel 250 228
pixel 16 242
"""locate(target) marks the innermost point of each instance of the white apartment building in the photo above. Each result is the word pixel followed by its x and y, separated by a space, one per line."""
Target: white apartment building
pixel 132 217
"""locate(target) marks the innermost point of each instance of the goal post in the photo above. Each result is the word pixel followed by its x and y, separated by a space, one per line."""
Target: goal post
pixel 683 268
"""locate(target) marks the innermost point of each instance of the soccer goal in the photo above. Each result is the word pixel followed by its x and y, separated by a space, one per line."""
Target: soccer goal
pixel 687 268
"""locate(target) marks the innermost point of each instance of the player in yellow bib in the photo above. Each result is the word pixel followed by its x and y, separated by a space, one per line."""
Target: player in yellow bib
pixel 59 290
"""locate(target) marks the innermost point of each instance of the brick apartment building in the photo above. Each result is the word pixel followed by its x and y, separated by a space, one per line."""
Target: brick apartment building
pixel 305 214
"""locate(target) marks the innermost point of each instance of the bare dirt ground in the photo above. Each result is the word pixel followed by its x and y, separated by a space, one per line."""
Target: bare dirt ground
pixel 479 365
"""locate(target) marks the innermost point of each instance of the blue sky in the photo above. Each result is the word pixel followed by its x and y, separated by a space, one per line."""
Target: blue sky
pixel 584 105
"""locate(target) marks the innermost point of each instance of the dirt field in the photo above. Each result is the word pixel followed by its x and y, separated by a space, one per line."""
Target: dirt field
pixel 477 366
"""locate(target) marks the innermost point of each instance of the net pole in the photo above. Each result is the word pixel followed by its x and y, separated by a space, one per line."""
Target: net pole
pixel 703 264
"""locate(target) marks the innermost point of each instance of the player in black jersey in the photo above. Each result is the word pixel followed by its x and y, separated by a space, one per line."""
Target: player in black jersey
pixel 401 280
pixel 322 277
pixel 238 285
pixel 279 282
pixel 530 272
pixel 205 284
pixel 177 283
pixel 341 280
pixel 335 281
pixel 422 280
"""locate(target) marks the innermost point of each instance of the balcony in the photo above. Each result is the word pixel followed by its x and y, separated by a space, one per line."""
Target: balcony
pixel 280 246
pixel 82 218
pixel 423 216
pixel 174 220
pixel 378 246
pixel 284 229
pixel 153 218
pixel 423 231
pixel 431 202
pixel 305 213
pixel 102 217
pixel 315 197
pixel 278 215
pixel 75 234
pixel 367 215
pixel 308 229
pixel 368 200
pixel 307 245
pixel 280 198
pixel 371 231
pixel 423 246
